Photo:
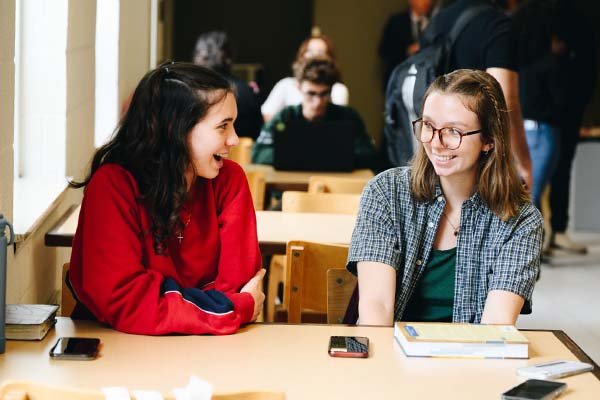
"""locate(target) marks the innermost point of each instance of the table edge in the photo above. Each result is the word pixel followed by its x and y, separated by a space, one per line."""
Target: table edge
pixel 575 349
pixel 53 238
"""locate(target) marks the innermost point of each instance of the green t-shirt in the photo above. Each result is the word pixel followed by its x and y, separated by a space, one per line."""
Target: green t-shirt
pixel 433 298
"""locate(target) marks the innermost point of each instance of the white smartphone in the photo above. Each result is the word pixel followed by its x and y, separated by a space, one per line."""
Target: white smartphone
pixel 554 369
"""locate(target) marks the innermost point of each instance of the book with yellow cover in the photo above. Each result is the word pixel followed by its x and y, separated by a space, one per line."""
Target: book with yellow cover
pixel 438 339
pixel 29 321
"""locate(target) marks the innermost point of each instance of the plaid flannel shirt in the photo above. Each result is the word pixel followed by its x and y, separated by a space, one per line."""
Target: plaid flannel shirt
pixel 394 229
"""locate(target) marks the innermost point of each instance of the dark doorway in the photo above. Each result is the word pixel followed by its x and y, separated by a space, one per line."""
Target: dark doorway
pixel 267 32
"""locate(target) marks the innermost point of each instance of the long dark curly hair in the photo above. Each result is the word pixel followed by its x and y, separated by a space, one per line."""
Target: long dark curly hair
pixel 150 140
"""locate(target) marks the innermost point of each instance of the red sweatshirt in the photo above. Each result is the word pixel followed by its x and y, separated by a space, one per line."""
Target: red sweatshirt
pixel 193 288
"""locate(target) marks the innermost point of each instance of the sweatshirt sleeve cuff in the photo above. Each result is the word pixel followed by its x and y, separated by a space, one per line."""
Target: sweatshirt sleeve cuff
pixel 243 303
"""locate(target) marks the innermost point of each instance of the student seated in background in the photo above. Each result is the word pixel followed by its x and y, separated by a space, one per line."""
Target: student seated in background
pixel 166 240
pixel 285 92
pixel 454 237
pixel 316 78
pixel 213 50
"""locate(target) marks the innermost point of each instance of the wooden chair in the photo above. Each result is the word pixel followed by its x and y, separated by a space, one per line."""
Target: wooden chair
pixel 340 286
pixel 303 202
pixel 67 302
pixel 308 264
pixel 337 203
pixel 242 153
pixel 335 184
pixel 26 390
pixel 257 184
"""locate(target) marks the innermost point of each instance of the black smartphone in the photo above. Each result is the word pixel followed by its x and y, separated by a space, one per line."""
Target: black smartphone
pixel 349 346
pixel 75 348
pixel 535 389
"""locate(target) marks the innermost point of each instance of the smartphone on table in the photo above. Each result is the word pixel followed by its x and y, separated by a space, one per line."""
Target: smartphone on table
pixel 75 348
pixel 535 389
pixel 349 346
pixel 554 369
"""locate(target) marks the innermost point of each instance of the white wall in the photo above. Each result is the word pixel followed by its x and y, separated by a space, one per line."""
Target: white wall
pixel 80 84
pixel 134 42
pixel 355 26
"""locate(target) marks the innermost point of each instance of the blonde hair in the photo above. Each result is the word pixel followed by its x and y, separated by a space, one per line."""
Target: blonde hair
pixel 497 180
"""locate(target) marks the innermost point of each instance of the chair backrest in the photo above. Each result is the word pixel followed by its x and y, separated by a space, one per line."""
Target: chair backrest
pixel 257 184
pixel 336 184
pixel 306 280
pixel 242 153
pixel 336 203
pixel 26 390
pixel 340 285
pixel 67 302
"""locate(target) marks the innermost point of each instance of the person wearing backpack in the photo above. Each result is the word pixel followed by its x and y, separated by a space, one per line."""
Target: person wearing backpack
pixel 470 34
pixel 454 237
pixel 400 38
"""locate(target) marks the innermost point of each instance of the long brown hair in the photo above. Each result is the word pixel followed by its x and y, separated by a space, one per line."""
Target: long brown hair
pixel 497 180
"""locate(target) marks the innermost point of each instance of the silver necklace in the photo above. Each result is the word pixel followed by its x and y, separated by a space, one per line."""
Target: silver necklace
pixel 456 230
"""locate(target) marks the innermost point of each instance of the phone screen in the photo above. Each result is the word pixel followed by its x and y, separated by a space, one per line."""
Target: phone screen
pixel 535 389
pixel 75 348
pixel 349 346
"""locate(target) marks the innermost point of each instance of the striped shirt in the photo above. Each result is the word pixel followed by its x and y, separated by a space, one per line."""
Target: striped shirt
pixel 395 229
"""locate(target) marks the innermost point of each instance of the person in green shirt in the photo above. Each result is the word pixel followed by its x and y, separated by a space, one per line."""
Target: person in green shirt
pixel 316 77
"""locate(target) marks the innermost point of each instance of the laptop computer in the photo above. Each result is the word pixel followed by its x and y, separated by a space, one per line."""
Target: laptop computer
pixel 315 146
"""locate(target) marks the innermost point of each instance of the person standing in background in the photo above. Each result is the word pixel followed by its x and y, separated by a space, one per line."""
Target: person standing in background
pixel 213 50
pixel 541 89
pixel 578 70
pixel 401 35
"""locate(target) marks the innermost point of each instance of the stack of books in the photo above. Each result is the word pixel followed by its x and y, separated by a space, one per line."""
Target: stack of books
pixel 29 321
pixel 432 339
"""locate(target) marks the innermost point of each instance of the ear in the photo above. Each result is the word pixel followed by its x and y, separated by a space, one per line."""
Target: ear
pixel 487 147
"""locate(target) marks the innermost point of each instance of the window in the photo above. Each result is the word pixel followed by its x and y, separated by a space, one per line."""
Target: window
pixel 40 108
pixel 107 67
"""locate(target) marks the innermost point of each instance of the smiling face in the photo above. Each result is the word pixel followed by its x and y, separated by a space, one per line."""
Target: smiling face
pixel 447 110
pixel 211 138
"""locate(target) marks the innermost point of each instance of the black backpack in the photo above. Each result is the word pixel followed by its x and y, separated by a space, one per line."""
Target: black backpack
pixel 409 81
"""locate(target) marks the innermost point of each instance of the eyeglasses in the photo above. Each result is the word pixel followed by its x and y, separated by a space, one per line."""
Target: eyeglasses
pixel 311 94
pixel 450 137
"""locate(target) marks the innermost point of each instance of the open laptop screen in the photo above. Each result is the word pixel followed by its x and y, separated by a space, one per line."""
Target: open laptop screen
pixel 315 146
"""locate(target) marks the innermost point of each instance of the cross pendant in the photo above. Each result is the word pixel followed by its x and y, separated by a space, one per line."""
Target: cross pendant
pixel 180 237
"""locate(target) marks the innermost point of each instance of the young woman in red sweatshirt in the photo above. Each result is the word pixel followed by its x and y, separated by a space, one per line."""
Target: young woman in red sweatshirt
pixel 166 240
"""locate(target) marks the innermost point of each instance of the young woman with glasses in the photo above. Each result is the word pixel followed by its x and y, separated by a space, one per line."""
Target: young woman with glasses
pixel 454 237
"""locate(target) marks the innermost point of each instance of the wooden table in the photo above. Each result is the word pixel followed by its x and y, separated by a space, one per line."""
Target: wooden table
pixel 274 228
pixel 298 180
pixel 288 358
